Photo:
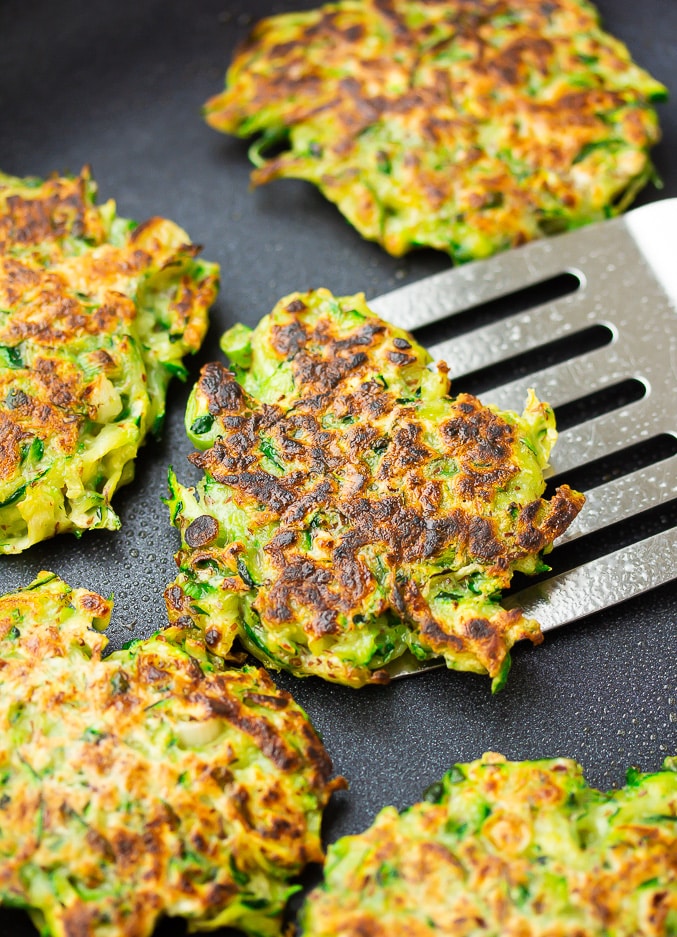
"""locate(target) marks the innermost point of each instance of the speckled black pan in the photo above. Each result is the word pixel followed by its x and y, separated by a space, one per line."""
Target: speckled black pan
pixel 120 85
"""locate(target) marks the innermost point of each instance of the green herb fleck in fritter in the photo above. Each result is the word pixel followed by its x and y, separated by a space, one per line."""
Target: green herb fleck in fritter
pixel 351 509
pixel 464 125
pixel 96 315
pixel 145 783
pixel 520 849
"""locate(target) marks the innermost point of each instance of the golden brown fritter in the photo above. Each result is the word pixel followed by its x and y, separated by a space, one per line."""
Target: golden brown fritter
pixel 96 315
pixel 464 125
pixel 520 849
pixel 145 783
pixel 351 509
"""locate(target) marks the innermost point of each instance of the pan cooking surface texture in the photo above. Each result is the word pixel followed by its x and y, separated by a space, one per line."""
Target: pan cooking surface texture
pixel 120 86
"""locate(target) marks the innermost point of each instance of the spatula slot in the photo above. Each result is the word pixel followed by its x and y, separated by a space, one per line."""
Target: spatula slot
pixel 536 359
pixel 476 316
pixel 617 464
pixel 602 401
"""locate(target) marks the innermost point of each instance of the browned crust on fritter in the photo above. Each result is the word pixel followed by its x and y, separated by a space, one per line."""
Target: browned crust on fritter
pixel 404 521
pixel 62 208
pixel 49 315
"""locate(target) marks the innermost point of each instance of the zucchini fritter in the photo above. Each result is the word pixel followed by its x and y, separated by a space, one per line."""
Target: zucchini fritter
pixel 351 510
pixel 146 783
pixel 96 314
pixel 464 125
pixel 520 849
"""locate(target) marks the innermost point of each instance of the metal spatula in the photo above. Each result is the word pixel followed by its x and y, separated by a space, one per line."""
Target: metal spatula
pixel 624 274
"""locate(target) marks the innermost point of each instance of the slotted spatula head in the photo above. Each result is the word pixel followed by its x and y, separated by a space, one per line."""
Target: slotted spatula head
pixel 614 338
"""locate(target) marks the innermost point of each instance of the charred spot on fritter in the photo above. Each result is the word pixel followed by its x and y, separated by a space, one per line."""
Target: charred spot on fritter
pixel 222 391
pixel 362 511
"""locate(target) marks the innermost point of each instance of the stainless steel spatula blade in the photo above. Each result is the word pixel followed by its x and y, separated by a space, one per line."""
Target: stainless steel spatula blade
pixel 626 275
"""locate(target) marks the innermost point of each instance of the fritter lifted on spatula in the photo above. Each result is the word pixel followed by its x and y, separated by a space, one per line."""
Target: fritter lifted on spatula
pixel 351 509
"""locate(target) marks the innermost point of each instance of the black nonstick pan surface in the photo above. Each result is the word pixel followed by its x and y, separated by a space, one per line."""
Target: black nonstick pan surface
pixel 119 85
